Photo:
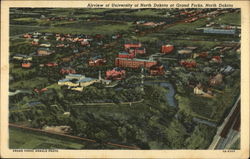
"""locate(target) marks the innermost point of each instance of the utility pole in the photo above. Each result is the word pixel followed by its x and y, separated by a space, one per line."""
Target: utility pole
pixel 100 76
pixel 142 79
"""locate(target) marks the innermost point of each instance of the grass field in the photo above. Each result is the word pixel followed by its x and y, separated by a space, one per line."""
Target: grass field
pixel 86 28
pixel 229 18
pixel 185 27
pixel 21 29
pixel 31 140
pixel 28 84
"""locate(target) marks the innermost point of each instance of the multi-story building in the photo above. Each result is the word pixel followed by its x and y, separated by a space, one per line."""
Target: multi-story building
pixel 134 63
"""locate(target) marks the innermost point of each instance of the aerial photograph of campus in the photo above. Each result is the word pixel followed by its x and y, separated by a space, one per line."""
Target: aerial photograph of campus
pixel 126 79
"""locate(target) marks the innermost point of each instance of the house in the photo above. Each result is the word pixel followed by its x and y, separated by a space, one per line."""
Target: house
pixel 216 80
pixel 26 65
pixel 85 43
pixel 44 51
pixel 117 36
pixel 134 63
pixel 132 45
pixel 60 45
pixel 41 90
pixel 166 49
pixel 198 90
pixel 37 34
pixel 140 22
pixel 191 20
pixel 27 35
pixel 201 55
pixel 157 70
pixel 188 63
pixel 97 61
pixel 139 50
pixel 115 74
pixel 45 45
pixel 67 71
pixel 184 53
pixel 35 42
pixel 150 24
pixel 51 64
pixel 216 59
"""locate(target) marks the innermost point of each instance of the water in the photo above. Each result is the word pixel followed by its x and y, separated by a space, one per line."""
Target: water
pixel 169 95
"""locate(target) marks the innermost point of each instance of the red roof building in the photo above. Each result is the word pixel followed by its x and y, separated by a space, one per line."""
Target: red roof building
pixel 166 49
pixel 51 64
pixel 26 64
pixel 132 45
pixel 157 70
pixel 41 90
pixel 67 71
pixel 188 64
pixel 216 59
pixel 97 61
pixel 27 35
pixel 134 63
pixel 115 74
pixel 139 50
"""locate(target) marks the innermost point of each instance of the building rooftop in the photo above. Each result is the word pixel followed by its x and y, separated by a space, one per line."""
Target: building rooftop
pixel 87 79
pixel 64 80
pixel 135 59
pixel 123 53
pixel 43 48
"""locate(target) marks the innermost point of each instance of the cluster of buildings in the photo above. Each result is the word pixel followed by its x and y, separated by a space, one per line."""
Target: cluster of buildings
pixel 24 59
pixel 76 81
pixel 115 74
pixel 127 59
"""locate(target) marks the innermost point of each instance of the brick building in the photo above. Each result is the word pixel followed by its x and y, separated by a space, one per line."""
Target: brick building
pixel 132 45
pixel 134 63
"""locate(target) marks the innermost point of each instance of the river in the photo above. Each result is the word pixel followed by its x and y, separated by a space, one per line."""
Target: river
pixel 170 93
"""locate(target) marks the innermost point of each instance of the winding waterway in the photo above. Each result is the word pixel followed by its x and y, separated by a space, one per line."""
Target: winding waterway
pixel 170 93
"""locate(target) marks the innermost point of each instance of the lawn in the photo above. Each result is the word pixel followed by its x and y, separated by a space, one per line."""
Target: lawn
pixel 229 18
pixel 16 30
pixel 90 28
pixel 211 109
pixel 185 27
pixel 31 140
pixel 29 84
